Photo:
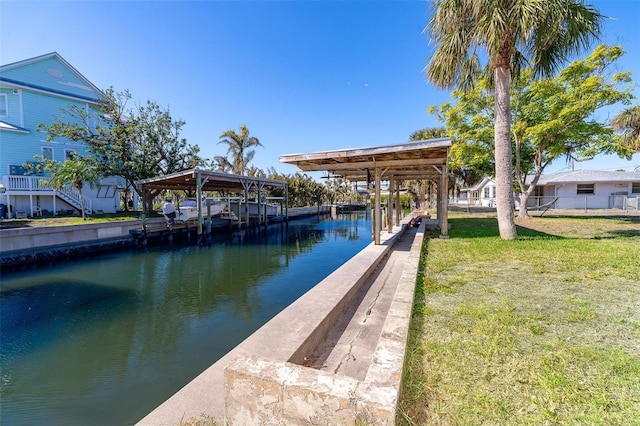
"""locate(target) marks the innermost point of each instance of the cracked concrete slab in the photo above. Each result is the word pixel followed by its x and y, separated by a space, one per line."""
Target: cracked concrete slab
pixel 349 346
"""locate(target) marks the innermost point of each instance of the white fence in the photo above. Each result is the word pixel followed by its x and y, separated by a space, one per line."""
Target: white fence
pixel 541 202
pixel 624 202
pixel 579 202
pixel 585 202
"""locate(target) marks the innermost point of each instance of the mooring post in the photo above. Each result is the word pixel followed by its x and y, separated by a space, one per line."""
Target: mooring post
pixel 199 204
pixel 208 222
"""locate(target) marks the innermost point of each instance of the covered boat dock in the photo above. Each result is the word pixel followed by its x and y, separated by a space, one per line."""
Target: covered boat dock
pixel 426 159
pixel 201 181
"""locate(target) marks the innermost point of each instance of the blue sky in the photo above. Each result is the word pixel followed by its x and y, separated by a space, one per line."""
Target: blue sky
pixel 304 76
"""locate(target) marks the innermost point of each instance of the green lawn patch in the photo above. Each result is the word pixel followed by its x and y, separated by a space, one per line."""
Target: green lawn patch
pixel 541 330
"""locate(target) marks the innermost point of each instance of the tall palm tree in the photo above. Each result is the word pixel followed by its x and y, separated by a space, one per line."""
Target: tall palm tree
pixel 239 146
pixel 512 33
pixel 628 122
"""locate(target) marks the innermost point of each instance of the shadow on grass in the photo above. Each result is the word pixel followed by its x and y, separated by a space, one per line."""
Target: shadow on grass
pixel 595 227
pixel 487 227
pixel 624 218
pixel 622 233
pixel 555 227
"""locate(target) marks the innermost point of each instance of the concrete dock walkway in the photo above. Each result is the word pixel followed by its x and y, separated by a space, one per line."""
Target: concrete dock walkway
pixel 349 347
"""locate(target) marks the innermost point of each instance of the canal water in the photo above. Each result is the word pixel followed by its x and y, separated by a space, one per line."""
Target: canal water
pixel 105 340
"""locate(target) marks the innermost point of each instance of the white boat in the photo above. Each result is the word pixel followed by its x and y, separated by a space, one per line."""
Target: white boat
pixel 188 211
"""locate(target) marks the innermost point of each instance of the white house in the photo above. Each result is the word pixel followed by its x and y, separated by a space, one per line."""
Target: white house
pixel 481 194
pixel 588 189
pixel 31 93
pixel 579 189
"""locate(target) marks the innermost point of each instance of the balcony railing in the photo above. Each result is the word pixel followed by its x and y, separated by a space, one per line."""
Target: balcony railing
pixel 27 183
pixel 37 184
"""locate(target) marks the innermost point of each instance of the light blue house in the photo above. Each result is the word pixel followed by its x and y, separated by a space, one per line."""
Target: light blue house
pixel 33 91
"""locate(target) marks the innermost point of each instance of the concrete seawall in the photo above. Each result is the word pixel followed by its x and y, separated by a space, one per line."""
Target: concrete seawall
pixel 20 246
pixel 12 240
pixel 268 379
pixel 24 246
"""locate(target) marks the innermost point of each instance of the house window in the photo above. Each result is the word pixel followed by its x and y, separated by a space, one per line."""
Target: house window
pixel 4 109
pixel 486 192
pixel 17 170
pixel 47 153
pixel 68 154
pixel 635 188
pixel 586 188
pixel 26 169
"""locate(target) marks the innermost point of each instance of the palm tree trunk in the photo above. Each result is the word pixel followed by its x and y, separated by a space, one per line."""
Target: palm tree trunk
pixel 82 205
pixel 79 185
pixel 504 170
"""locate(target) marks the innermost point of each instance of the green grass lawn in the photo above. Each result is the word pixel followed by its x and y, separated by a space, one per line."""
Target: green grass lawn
pixel 541 330
pixel 69 220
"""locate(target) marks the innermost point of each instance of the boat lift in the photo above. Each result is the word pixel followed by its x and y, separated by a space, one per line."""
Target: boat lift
pixel 207 181
pixel 415 160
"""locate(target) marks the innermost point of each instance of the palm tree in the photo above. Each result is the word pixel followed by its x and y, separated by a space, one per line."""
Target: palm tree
pixel 221 163
pixel 428 133
pixel 75 170
pixel 512 33
pixel 239 146
pixel 255 171
pixel 628 122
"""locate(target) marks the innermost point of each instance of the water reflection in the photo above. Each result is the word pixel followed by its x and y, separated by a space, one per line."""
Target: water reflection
pixel 105 340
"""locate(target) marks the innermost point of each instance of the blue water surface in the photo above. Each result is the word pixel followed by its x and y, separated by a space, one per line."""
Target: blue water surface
pixel 105 340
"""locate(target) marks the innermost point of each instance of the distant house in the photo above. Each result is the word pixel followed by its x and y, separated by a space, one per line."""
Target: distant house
pixel 588 189
pixel 32 92
pixel 580 189
pixel 481 194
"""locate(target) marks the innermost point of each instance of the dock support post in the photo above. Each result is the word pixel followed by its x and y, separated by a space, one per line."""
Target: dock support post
pixel 443 214
pixel 286 202
pixel 199 204
pixel 398 206
pixel 377 217
pixel 208 222
pixel 439 198
pixel 390 205
pixel 246 207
